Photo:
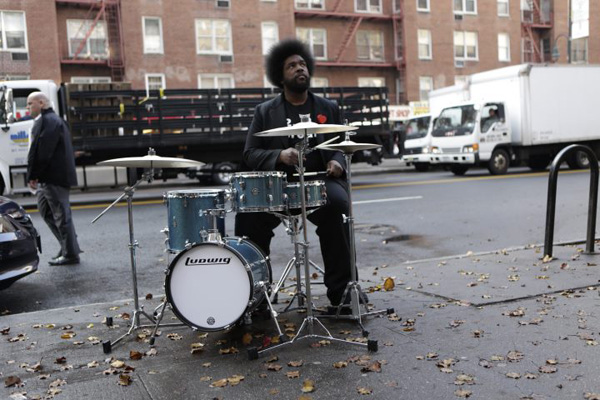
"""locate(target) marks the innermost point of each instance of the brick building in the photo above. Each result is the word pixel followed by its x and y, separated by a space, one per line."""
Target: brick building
pixel 410 46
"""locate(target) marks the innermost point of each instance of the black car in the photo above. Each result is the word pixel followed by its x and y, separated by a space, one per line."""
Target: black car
pixel 19 243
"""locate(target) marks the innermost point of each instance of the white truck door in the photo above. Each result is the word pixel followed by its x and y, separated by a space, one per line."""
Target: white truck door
pixel 493 128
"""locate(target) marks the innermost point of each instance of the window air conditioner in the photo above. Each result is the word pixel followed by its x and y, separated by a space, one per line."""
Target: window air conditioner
pixel 226 58
pixel 459 63
pixel 222 3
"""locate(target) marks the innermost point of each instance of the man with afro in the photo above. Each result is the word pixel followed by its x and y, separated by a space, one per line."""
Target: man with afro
pixel 289 66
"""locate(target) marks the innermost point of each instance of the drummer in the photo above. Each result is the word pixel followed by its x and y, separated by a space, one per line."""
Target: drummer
pixel 289 66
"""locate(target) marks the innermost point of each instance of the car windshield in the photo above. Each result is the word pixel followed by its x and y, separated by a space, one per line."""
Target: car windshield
pixel 455 121
pixel 417 128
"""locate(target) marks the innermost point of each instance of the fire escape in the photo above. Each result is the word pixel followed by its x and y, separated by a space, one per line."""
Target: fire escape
pixel 109 13
pixel 536 23
pixel 353 21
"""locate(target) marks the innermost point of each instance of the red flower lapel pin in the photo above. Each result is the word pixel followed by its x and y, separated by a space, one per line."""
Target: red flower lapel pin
pixel 321 118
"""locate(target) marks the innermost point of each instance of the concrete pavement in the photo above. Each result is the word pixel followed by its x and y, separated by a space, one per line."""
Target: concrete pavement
pixel 502 325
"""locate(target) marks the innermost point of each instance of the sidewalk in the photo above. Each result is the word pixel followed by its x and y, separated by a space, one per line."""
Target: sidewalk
pixel 504 325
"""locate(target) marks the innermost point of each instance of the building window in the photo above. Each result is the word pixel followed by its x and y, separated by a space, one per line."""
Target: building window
pixel 215 81
pixel 14 31
pixel 369 45
pixel 503 47
pixel 154 82
pixel 317 82
pixel 424 44
pixel 465 6
pixel 465 46
pixel 213 36
pixel 368 6
pixel 316 39
pixel 153 42
pixel 579 51
pixel 423 5
pixel 425 86
pixel 310 4
pixel 91 79
pixel 270 35
pixel 503 8
pixel 95 46
pixel 371 82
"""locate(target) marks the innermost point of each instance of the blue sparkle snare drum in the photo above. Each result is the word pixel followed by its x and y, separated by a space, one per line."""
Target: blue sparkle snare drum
pixel 192 214
pixel 258 191
pixel 316 195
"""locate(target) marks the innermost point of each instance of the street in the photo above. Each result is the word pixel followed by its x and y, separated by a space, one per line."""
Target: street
pixel 400 217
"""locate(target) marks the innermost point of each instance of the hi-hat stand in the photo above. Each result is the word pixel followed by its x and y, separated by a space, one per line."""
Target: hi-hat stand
pixel 309 322
pixel 149 161
pixel 353 289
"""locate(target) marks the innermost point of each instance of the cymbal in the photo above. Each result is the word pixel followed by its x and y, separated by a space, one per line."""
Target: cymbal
pixel 151 161
pixel 348 146
pixel 302 128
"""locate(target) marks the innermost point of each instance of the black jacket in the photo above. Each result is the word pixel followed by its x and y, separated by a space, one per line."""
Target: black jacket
pixel 50 159
pixel 262 153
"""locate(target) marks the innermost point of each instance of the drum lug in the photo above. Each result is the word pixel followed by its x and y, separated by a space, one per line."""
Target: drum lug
pixel 270 198
pixel 188 245
pixel 243 198
pixel 242 184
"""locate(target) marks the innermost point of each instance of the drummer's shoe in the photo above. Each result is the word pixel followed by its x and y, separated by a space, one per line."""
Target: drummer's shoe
pixel 63 260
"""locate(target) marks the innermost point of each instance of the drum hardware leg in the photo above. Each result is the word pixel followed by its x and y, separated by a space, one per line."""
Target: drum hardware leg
pixel 133 244
pixel 274 313
pixel 310 320
pixel 353 288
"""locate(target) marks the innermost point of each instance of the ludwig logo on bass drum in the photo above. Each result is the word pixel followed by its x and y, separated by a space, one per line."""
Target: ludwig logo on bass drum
pixel 207 261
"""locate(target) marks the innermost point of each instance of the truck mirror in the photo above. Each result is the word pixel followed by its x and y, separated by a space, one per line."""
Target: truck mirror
pixel 6 106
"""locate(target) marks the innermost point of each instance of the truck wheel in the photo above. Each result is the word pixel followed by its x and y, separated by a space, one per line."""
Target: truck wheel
pixel 223 173
pixel 459 169
pixel 539 163
pixel 579 160
pixel 498 164
pixel 421 167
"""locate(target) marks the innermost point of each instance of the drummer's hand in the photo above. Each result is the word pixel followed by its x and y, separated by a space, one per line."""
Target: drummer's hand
pixel 289 156
pixel 334 169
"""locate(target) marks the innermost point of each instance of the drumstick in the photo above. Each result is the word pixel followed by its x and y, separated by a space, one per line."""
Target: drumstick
pixel 326 142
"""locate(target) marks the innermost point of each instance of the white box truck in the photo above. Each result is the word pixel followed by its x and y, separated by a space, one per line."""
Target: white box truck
pixel 417 146
pixel 522 114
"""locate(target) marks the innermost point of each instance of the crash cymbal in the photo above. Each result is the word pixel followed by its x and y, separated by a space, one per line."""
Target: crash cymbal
pixel 348 146
pixel 302 128
pixel 151 161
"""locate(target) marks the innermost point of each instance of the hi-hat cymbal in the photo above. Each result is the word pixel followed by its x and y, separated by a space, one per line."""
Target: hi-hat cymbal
pixel 302 128
pixel 348 146
pixel 151 161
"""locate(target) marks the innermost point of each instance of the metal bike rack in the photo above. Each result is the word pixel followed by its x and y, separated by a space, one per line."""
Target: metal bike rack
pixel 592 205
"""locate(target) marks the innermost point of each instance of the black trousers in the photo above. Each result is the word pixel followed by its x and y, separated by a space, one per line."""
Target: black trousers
pixel 332 232
pixel 54 206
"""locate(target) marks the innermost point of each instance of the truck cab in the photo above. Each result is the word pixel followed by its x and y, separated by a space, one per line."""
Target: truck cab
pixel 15 130
pixel 417 144
pixel 470 134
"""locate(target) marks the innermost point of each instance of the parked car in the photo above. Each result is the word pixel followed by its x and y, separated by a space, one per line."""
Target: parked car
pixel 19 243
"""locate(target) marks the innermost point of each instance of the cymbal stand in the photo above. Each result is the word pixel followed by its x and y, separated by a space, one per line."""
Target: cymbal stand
pixel 310 320
pixel 293 228
pixel 353 287
pixel 138 311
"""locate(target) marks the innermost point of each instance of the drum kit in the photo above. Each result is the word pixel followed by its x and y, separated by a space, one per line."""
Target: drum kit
pixel 206 260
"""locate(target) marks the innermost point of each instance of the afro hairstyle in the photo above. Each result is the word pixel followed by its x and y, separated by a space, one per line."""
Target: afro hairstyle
pixel 280 52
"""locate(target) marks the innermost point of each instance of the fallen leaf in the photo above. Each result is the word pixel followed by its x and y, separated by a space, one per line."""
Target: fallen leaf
pixel 68 335
pixel 12 381
pixel 273 367
pixel 462 393
pixel 529 375
pixel 295 364
pixel 293 374
pixel 247 339
pixel 514 356
pixel 340 364
pixel 135 355
pixel 151 352
pixel 230 350
pixel 547 369
pixel 124 380
pixel 5 331
pixel 374 367
pixel 464 379
pixel 117 364
pixel 389 284
pixel 205 378
pixel 196 348
pixel 513 375
pixel 92 364
pixel 364 390
pixel 174 336
pixel 235 380
pixel 308 386
pixel 547 258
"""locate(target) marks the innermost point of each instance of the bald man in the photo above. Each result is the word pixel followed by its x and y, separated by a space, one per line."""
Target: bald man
pixel 51 170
